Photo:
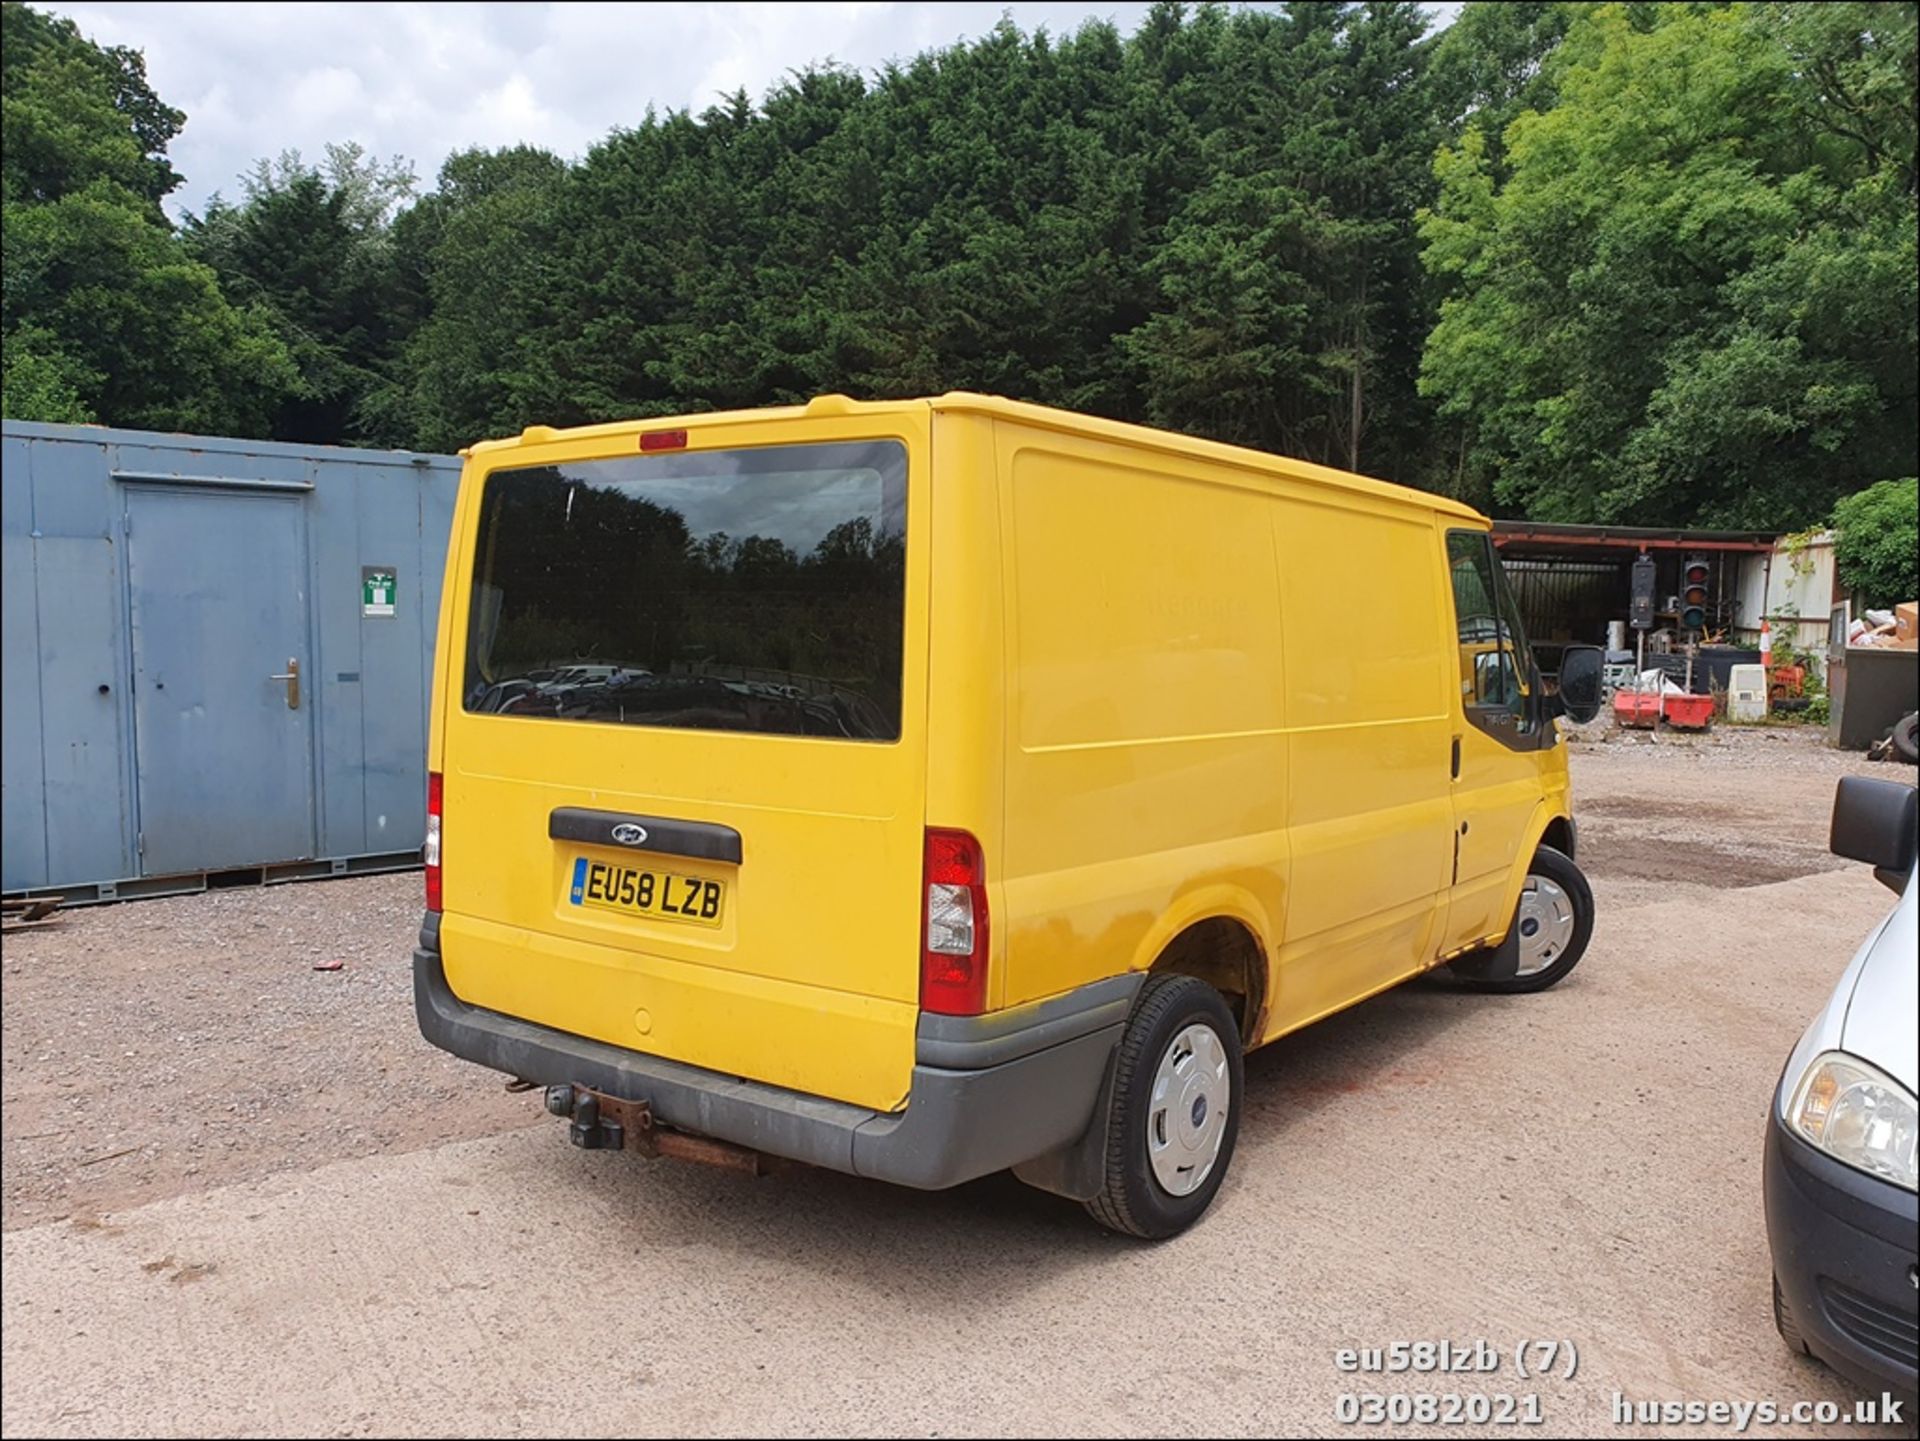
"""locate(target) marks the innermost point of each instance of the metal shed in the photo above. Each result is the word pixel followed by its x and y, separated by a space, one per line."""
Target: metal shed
pixel 1571 580
pixel 217 657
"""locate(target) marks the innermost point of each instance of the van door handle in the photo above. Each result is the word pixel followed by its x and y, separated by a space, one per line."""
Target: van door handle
pixel 291 675
pixel 1456 757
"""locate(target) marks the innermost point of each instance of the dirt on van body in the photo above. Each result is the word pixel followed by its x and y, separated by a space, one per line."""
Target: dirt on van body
pixel 161 1046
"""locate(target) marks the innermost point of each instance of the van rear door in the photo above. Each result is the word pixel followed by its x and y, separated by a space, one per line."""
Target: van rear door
pixel 684 746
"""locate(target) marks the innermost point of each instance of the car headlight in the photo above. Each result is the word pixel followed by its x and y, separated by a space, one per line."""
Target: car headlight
pixel 1858 1114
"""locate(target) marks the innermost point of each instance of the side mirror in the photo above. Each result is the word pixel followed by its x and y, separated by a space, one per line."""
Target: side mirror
pixel 1877 822
pixel 1580 672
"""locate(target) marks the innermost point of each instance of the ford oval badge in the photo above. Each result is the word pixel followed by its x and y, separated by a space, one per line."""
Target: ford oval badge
pixel 628 834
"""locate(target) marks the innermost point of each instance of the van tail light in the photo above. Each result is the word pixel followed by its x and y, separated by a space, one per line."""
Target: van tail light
pixel 953 959
pixel 430 851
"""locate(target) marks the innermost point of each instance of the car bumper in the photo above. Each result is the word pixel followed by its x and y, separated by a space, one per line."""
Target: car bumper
pixel 1844 1253
pixel 988 1092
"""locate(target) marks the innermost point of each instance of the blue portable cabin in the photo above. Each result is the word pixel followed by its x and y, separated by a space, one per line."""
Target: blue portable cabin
pixel 217 657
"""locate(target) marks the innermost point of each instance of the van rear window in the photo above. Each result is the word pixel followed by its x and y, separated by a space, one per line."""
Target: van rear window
pixel 757 590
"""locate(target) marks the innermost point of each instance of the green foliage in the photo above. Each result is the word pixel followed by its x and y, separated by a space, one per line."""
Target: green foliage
pixel 475 260
pixel 1205 226
pixel 1877 545
pixel 1691 298
pixel 105 317
pixel 101 297
pixel 1796 546
pixel 1490 65
pixel 57 84
pixel 1648 263
pixel 42 382
pixel 310 247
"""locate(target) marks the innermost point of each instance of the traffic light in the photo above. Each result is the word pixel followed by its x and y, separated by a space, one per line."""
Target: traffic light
pixel 1640 602
pixel 1693 593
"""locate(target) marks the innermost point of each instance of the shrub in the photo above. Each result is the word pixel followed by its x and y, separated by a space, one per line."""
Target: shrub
pixel 1877 541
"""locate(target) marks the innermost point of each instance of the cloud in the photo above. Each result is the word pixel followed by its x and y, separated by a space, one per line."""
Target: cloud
pixel 424 80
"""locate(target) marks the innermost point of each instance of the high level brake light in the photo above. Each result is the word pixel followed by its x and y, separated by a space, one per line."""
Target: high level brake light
pixel 430 851
pixel 953 960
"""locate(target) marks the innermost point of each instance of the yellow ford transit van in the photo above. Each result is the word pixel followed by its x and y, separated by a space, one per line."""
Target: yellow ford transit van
pixel 926 788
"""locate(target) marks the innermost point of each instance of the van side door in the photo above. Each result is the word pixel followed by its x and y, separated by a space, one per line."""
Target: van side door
pixel 1499 731
pixel 1369 716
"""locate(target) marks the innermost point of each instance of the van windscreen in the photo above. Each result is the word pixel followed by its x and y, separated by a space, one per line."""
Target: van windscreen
pixel 754 590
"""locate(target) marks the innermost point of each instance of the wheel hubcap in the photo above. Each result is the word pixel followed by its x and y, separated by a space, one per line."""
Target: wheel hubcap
pixel 1545 923
pixel 1187 1118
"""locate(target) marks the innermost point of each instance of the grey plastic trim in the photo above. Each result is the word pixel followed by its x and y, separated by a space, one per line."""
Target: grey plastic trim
pixel 971 1043
pixel 960 1125
pixel 700 839
pixel 957 1125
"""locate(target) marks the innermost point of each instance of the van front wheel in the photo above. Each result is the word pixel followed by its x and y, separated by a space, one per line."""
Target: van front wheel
pixel 1548 936
pixel 1176 1110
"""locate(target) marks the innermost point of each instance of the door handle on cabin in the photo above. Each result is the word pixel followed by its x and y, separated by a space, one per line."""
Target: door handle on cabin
pixel 291 675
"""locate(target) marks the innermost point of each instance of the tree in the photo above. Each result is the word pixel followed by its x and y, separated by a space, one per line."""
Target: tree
pixel 135 331
pixel 1643 262
pixel 476 260
pixel 1877 545
pixel 1684 302
pixel 1290 303
pixel 1491 65
pixel 43 382
pixel 36 50
pixel 105 317
pixel 310 246
pixel 1208 225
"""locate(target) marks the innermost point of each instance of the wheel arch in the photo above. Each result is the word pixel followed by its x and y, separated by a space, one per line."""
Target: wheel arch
pixel 1547 827
pixel 1561 833
pixel 1225 951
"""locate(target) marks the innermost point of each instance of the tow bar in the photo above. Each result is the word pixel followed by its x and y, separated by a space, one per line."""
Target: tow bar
pixel 607 1123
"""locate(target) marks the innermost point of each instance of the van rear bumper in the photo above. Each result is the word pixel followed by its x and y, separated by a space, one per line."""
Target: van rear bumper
pixel 988 1092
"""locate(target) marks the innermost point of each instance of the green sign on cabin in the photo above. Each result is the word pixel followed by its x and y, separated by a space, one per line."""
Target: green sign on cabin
pixel 376 590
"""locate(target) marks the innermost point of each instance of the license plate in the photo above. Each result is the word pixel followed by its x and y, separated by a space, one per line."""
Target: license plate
pixel 661 895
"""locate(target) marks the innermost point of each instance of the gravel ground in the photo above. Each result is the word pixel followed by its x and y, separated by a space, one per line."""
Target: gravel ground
pixel 1676 814
pixel 160 1046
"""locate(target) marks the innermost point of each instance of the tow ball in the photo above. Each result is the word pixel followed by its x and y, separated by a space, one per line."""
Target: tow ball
pixel 600 1122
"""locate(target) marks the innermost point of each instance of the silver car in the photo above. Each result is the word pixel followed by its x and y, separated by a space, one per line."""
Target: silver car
pixel 1841 1178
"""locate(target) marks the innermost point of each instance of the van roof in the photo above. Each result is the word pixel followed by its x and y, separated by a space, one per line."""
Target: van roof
pixel 1042 416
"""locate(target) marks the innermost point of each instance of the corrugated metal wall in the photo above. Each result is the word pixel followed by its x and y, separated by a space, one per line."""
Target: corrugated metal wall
pixel 1796 584
pixel 153 586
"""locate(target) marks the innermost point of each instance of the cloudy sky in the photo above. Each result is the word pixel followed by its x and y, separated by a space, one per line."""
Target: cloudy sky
pixel 423 80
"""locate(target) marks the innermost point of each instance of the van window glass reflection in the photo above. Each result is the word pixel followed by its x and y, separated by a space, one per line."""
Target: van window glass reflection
pixel 748 590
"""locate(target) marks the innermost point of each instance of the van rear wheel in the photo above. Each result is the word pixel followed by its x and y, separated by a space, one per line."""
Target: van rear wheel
pixel 1549 934
pixel 1177 1085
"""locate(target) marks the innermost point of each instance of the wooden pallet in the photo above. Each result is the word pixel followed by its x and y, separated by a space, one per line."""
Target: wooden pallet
pixel 24 914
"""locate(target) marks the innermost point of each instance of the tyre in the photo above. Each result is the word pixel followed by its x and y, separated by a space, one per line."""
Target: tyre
pixel 1906 739
pixel 1784 1324
pixel 1548 936
pixel 1177 1086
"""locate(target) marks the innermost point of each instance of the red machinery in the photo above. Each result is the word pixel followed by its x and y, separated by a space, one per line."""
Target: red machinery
pixel 1642 710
